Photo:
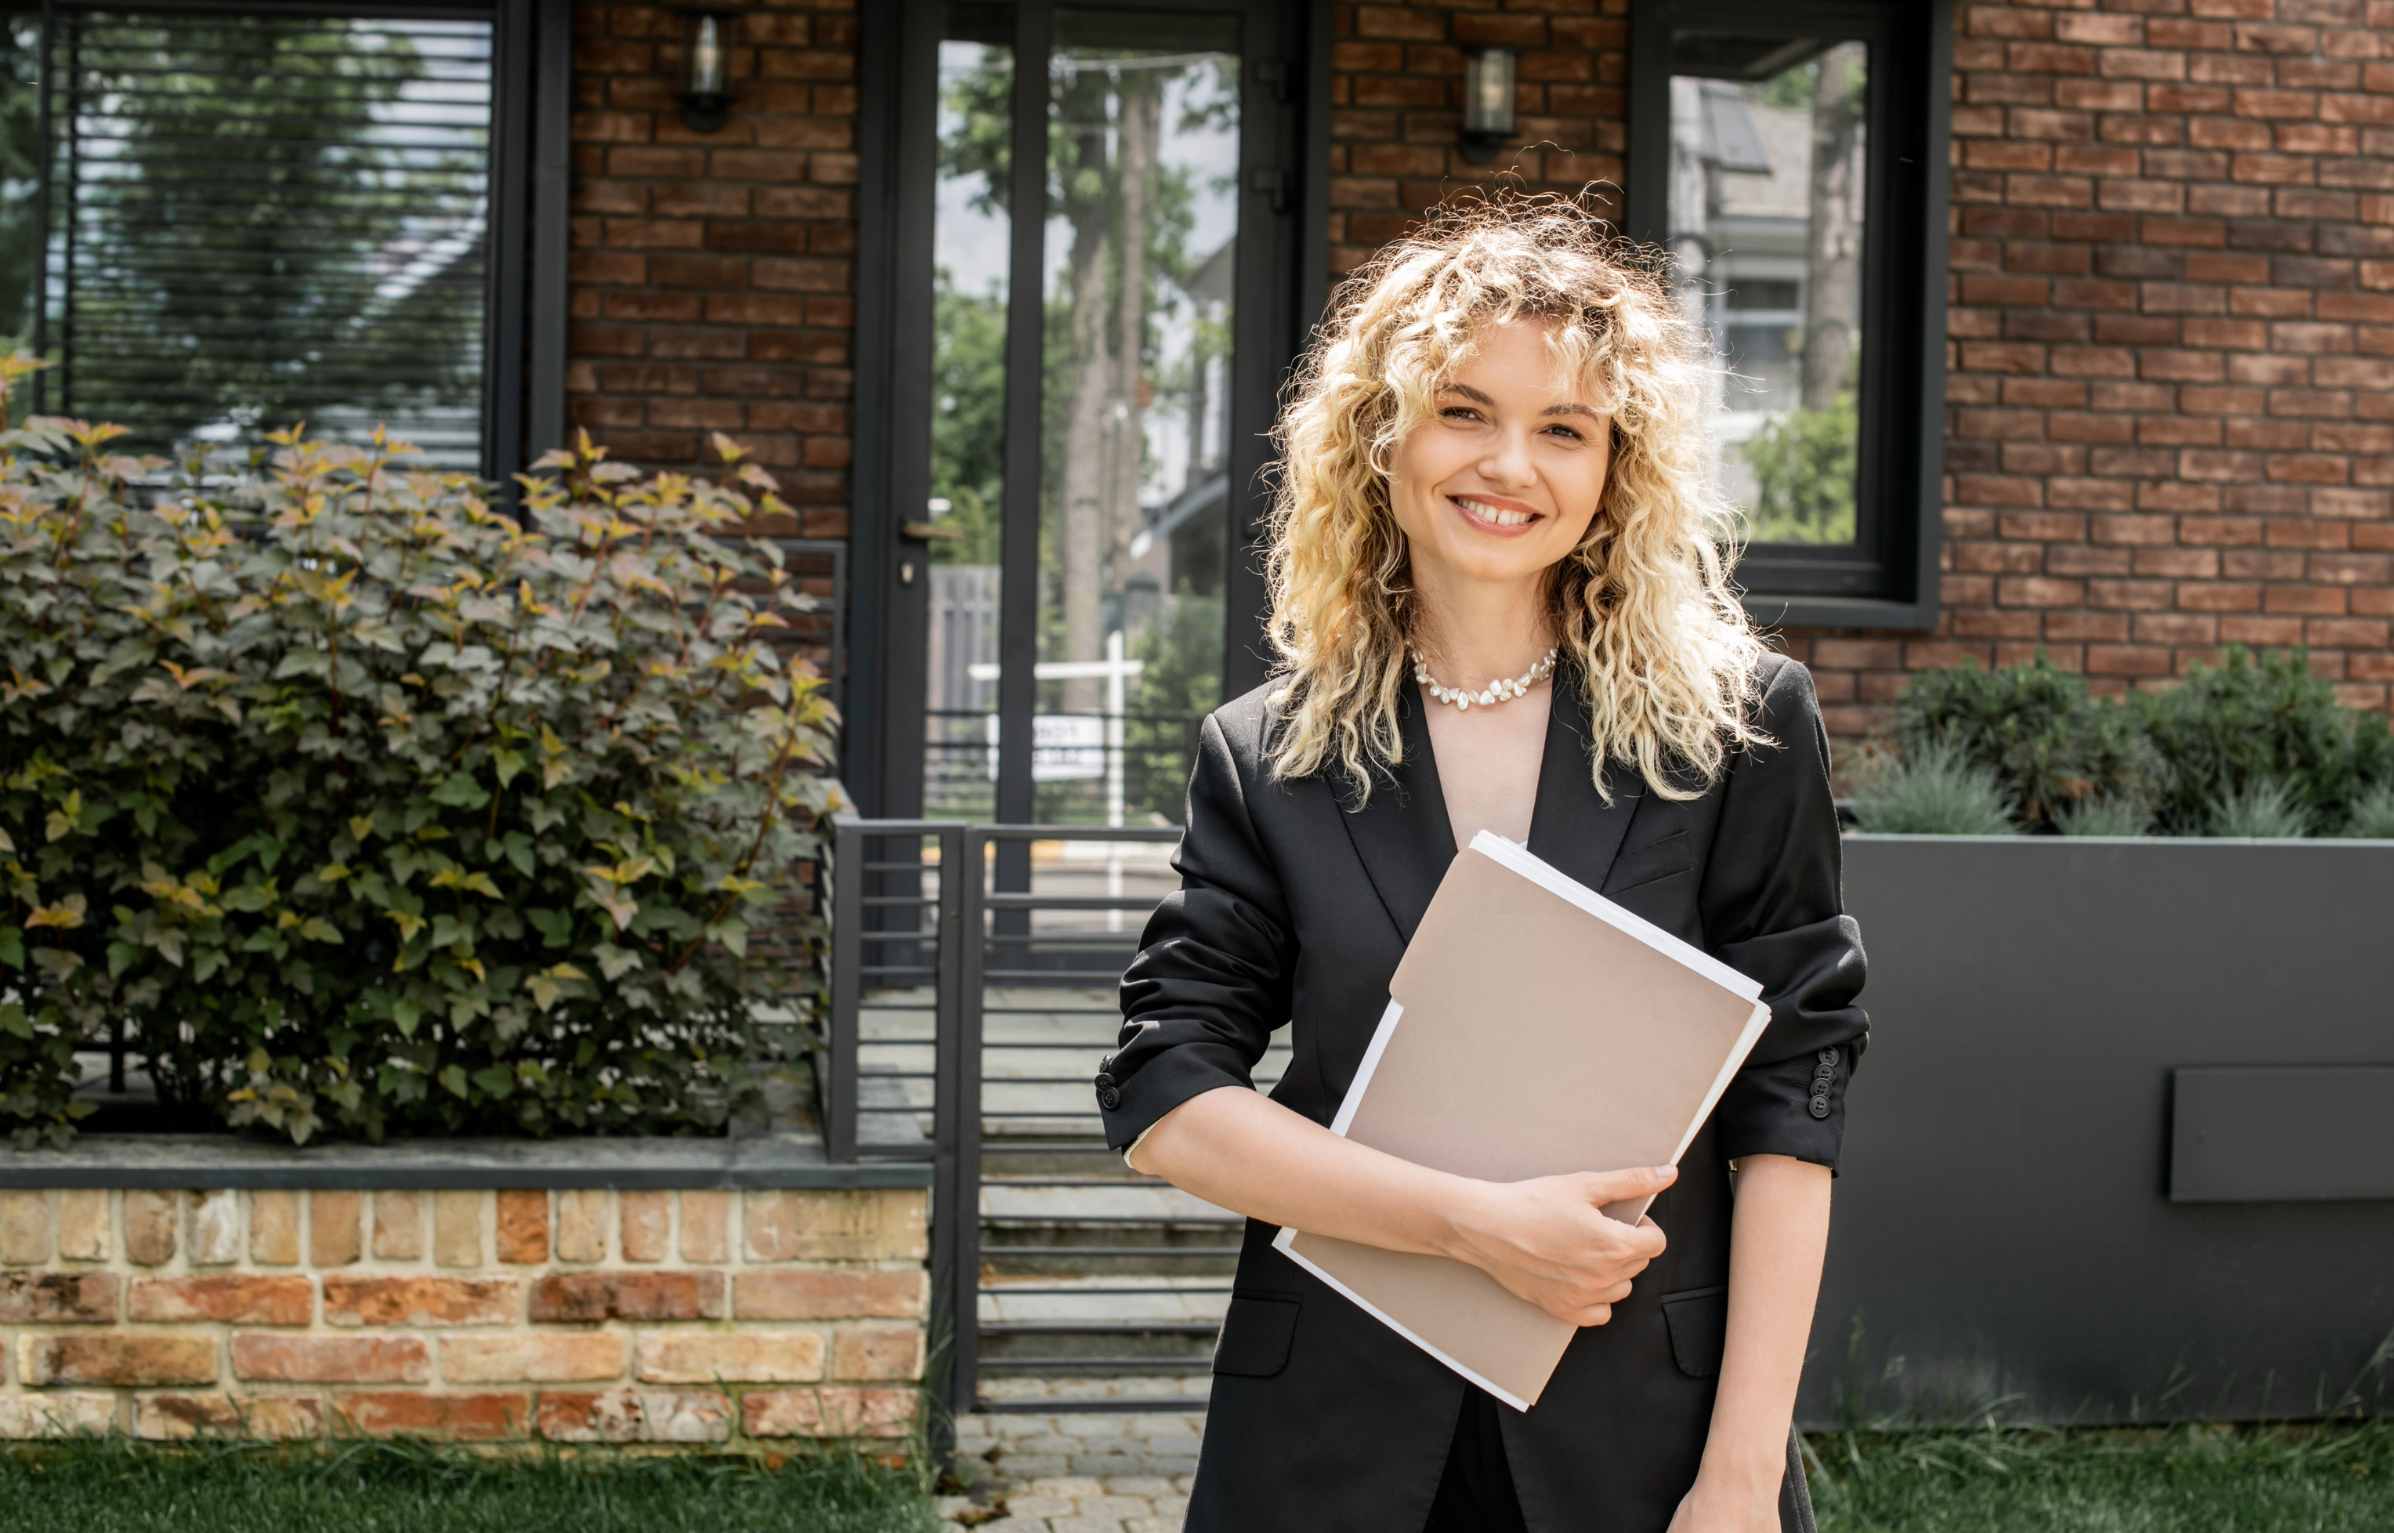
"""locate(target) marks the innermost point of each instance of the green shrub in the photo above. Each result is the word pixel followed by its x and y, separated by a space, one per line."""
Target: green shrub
pixel 2265 808
pixel 1803 463
pixel 2373 814
pixel 2046 739
pixel 1935 790
pixel 368 809
pixel 2107 816
pixel 2224 728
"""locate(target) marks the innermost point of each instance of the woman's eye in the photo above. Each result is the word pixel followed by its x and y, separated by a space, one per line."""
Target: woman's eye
pixel 1570 431
pixel 1464 412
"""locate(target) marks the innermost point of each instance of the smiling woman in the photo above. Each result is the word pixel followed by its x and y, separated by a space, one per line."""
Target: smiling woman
pixel 1493 473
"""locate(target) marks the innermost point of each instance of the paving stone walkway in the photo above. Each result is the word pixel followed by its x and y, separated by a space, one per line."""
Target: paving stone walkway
pixel 1067 1471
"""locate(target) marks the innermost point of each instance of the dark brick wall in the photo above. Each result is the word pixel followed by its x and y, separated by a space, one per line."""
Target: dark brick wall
pixel 713 284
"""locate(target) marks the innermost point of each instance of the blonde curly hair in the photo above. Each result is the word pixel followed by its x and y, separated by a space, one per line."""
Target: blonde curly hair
pixel 1666 655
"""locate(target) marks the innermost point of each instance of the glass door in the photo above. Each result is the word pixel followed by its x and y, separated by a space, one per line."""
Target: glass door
pixel 1107 232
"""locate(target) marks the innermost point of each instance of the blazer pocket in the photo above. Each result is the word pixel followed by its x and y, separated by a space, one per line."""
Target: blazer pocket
pixel 1651 878
pixel 1699 1324
pixel 1256 1331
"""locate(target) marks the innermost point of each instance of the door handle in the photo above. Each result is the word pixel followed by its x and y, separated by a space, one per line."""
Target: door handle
pixel 932 532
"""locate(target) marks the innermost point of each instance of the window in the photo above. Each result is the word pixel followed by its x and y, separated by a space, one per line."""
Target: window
pixel 1791 156
pixel 221 223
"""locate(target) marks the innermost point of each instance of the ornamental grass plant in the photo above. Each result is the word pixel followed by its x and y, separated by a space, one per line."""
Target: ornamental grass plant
pixel 367 808
pixel 2250 747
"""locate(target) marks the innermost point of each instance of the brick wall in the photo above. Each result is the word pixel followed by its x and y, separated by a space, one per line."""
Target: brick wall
pixel 713 280
pixel 2171 316
pixel 595 1316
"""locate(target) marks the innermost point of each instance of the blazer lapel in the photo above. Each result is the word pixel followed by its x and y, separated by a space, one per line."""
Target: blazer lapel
pixel 1405 840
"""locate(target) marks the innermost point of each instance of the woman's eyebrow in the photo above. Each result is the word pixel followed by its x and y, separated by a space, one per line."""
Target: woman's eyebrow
pixel 1478 398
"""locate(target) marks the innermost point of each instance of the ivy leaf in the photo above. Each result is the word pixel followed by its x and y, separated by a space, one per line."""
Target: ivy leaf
pixel 454 1077
pixel 12 947
pixel 556 926
pixel 615 962
pixel 405 1014
pixel 508 764
pixel 459 791
pixel 14 1022
pixel 66 915
pixel 6 845
pixel 497 1080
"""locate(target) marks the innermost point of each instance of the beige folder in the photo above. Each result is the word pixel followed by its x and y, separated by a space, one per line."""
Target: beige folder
pixel 1533 1027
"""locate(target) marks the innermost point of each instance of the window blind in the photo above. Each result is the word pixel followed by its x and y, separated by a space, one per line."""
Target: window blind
pixel 256 220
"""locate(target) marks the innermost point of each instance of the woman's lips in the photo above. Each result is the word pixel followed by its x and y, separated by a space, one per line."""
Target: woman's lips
pixel 1491 528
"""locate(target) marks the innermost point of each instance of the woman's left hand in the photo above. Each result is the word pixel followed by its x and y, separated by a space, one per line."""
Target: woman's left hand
pixel 1712 1506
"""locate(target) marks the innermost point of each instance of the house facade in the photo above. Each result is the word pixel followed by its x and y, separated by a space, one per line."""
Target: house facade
pixel 2060 327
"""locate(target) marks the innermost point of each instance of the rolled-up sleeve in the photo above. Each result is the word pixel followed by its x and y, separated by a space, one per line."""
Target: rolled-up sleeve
pixel 1773 904
pixel 1212 977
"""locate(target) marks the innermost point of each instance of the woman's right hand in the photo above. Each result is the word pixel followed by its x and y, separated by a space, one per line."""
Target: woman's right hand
pixel 1544 1239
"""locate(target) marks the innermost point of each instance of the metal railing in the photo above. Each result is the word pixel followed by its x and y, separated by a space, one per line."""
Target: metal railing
pixel 934 935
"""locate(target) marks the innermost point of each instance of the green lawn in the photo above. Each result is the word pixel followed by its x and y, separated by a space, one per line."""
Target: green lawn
pixel 2281 1479
pixel 113 1486
pixel 2287 1479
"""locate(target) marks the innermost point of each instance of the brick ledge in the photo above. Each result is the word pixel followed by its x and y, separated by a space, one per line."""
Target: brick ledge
pixel 780 1160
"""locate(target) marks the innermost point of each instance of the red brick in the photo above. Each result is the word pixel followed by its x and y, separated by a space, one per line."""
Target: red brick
pixel 123 1359
pixel 265 1418
pixel 832 1411
pixel 422 1301
pixel 332 1359
pixel 595 1296
pixel 57 1298
pixel 634 1415
pixel 230 1298
pixel 456 1417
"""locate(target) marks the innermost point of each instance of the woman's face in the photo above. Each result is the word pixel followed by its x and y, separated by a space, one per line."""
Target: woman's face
pixel 1504 478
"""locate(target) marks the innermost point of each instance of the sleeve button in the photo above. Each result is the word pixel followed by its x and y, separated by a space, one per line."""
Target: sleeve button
pixel 1820 1106
pixel 1827 1056
pixel 1109 1098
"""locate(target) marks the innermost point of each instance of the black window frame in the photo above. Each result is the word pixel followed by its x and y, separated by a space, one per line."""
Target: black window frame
pixel 525 294
pixel 1888 577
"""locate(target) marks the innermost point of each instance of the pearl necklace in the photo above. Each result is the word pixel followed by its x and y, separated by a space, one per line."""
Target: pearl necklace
pixel 1495 692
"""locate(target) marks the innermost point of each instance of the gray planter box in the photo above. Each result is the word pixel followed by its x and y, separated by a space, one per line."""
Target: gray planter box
pixel 2122 1148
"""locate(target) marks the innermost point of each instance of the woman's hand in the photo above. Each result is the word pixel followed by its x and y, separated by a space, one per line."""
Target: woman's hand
pixel 1543 1238
pixel 1713 1506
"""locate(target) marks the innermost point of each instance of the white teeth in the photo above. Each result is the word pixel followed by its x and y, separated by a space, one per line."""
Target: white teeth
pixel 1488 513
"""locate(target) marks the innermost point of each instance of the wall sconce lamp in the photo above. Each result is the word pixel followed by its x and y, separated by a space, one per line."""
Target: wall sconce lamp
pixel 1487 102
pixel 706 67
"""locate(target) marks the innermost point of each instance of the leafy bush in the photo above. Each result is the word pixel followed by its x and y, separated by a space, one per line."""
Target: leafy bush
pixel 2266 808
pixel 2105 816
pixel 368 809
pixel 2047 740
pixel 2162 763
pixel 2224 728
pixel 2373 814
pixel 1935 790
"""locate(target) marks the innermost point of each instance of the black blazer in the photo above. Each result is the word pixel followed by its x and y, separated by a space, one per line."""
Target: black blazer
pixel 1293 910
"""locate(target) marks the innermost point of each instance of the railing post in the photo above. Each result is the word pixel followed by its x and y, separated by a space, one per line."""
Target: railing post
pixel 954 1181
pixel 966 1295
pixel 847 984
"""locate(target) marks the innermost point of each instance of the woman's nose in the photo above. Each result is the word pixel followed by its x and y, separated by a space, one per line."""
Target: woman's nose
pixel 1507 461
